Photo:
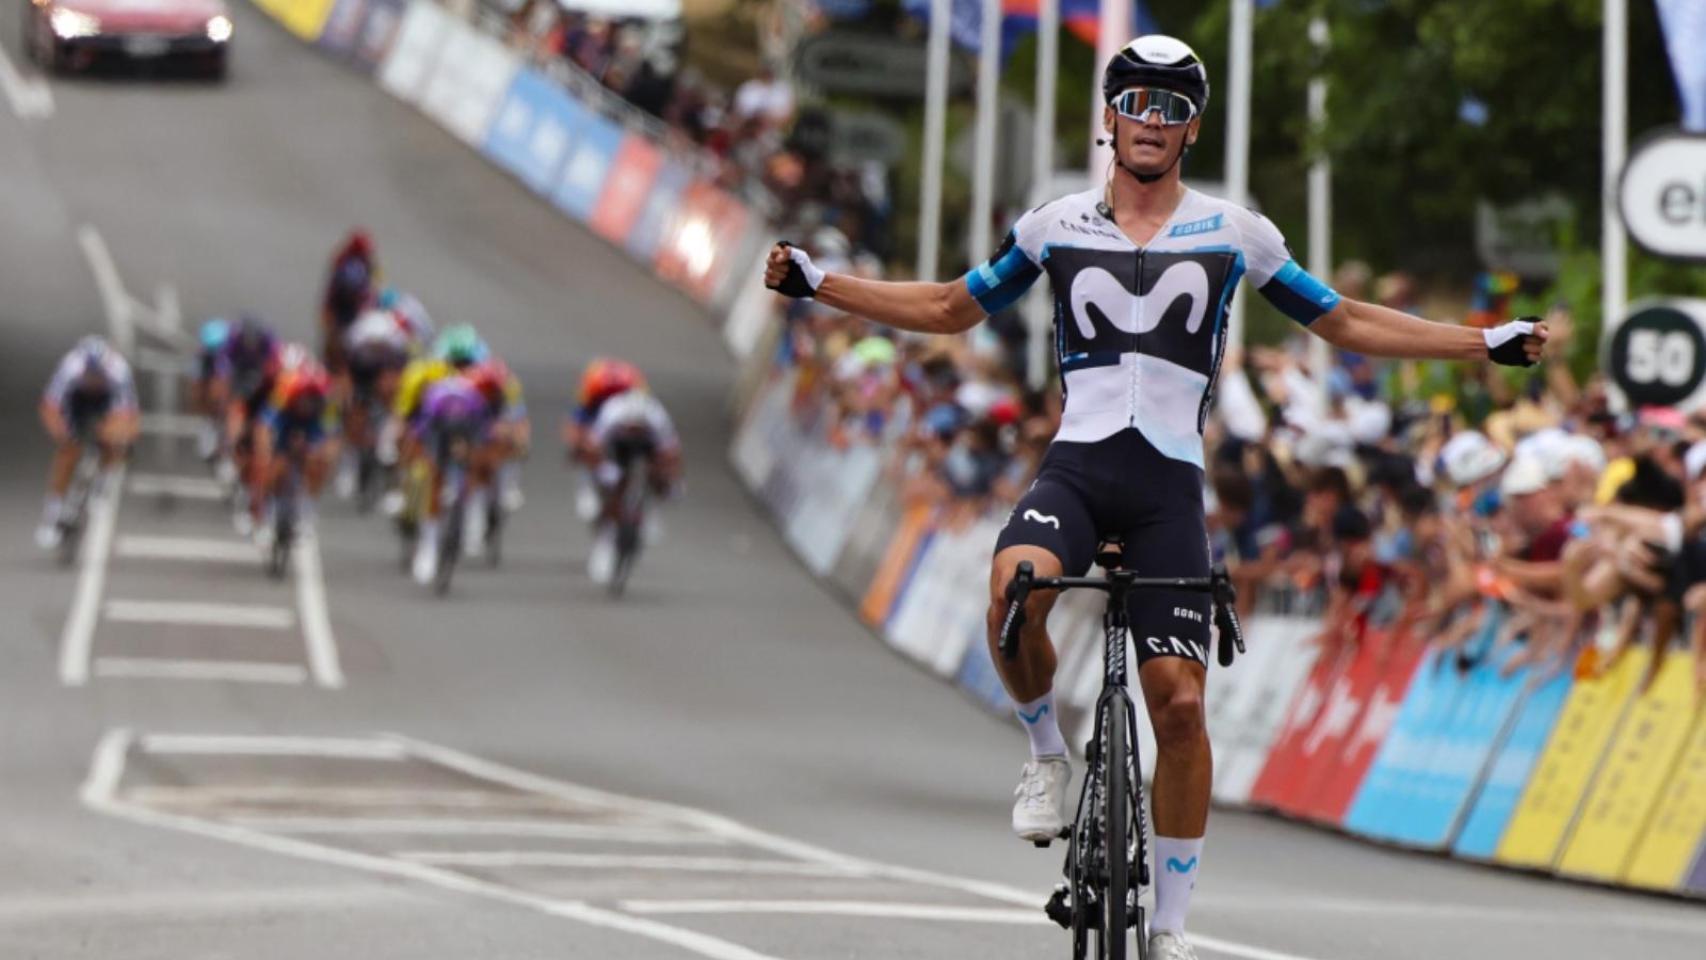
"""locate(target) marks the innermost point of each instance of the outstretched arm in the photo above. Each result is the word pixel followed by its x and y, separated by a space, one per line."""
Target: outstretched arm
pixel 1383 332
pixel 920 307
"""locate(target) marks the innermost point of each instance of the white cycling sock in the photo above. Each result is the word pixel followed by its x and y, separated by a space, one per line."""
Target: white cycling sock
pixel 1043 726
pixel 1177 863
pixel 51 508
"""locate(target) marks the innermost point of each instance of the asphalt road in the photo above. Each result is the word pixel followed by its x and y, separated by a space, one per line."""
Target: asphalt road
pixel 724 764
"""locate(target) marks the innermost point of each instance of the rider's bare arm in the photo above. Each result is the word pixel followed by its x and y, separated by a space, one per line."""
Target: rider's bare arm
pixel 1379 331
pixel 920 307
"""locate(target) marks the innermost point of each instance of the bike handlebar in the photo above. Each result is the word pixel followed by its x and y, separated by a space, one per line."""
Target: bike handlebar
pixel 1218 584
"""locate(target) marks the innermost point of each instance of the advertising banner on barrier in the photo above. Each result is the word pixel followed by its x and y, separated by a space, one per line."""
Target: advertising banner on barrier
pixel 1512 765
pixel 1464 746
pixel 1385 789
pixel 1676 833
pixel 704 240
pixel 1285 762
pixel 534 129
pixel 415 51
pixel 868 536
pixel 379 24
pixel 1279 660
pixel 1323 746
pixel 305 18
pixel 592 151
pixel 1632 775
pixel 463 91
pixel 342 29
pixel 895 568
pixel 1549 803
pixel 658 210
pixel 618 208
pixel 1333 792
pixel 937 616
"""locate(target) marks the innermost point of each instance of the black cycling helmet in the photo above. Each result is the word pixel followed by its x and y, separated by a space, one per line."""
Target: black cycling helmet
pixel 1157 60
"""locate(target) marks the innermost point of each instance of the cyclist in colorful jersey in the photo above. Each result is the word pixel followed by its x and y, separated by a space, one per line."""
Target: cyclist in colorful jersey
pixel 377 349
pixel 1142 269
pixel 350 283
pixel 91 398
pixel 210 341
pixel 499 455
pixel 456 349
pixel 603 379
pixel 296 430
pixel 245 372
pixel 452 411
pixel 409 311
pixel 629 424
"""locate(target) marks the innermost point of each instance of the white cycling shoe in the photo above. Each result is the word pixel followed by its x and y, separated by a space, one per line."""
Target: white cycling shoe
pixel 1039 805
pixel 1170 946
pixel 601 561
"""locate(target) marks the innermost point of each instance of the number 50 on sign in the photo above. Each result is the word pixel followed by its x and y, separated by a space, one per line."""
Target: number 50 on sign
pixel 1655 356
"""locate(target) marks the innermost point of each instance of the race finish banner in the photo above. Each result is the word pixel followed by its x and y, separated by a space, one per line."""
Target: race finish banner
pixel 1655 356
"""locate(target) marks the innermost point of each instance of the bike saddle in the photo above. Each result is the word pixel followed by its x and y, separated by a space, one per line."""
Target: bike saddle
pixel 1110 554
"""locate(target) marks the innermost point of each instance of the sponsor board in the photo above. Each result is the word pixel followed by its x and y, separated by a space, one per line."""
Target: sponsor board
pixel 1284 765
pixel 1631 777
pixel 1676 834
pixel 1554 793
pixel 533 130
pixel 342 29
pixel 473 73
pixel 415 50
pixel 1281 655
pixel 1324 746
pixel 657 212
pixel 305 18
pixel 591 153
pixel 379 26
pixel 1382 700
pixel 899 557
pixel 1385 789
pixel 618 209
pixel 1512 766
pixel 703 240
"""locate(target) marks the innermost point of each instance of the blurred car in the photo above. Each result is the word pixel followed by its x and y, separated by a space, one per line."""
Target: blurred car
pixel 66 35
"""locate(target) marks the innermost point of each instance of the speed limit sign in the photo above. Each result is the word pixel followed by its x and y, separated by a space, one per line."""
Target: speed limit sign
pixel 1656 356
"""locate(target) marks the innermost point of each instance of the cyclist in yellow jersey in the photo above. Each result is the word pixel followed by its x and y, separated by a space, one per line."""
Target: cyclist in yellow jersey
pixel 456 349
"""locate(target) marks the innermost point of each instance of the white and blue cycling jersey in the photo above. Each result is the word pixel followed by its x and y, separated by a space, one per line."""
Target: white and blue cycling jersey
pixel 1140 332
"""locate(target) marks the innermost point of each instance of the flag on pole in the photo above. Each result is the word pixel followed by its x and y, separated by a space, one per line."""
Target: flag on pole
pixel 1685 37
pixel 1019 17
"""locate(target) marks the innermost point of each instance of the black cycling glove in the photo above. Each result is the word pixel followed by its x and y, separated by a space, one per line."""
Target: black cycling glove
pixel 1505 342
pixel 803 277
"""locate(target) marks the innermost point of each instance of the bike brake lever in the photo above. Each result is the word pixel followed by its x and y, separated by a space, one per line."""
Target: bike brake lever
pixel 1018 591
pixel 1226 616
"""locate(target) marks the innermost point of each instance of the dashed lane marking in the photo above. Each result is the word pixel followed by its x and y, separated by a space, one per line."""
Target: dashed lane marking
pixel 316 618
pixel 601 861
pixel 196 614
pixel 77 639
pixel 183 548
pixel 190 488
pixel 841 908
pixel 162 668
pixel 29 95
pixel 345 748
pixel 450 827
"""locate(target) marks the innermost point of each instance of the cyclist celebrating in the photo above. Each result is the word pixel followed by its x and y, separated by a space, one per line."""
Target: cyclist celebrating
pixel 1142 270
pixel 91 398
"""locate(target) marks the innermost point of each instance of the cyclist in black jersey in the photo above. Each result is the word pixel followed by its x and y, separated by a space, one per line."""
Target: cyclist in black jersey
pixel 1142 270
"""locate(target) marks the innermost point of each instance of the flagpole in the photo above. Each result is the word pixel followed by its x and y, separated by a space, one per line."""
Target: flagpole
pixel 1113 32
pixel 1238 137
pixel 935 137
pixel 983 163
pixel 1320 198
pixel 1613 246
pixel 1037 313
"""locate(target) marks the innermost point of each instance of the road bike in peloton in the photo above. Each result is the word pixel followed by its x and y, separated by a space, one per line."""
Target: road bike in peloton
pixel 1107 861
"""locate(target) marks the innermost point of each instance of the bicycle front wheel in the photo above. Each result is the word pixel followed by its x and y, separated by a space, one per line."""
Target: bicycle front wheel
pixel 1116 814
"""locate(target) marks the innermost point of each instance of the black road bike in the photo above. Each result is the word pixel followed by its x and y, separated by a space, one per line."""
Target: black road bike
pixel 284 519
pixel 85 485
pixel 632 452
pixel 1107 861
pixel 458 449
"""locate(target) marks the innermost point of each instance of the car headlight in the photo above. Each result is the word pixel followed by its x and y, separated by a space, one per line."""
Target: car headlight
pixel 219 29
pixel 70 24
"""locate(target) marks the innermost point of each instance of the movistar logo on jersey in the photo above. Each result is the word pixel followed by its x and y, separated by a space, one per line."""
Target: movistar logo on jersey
pixel 1205 225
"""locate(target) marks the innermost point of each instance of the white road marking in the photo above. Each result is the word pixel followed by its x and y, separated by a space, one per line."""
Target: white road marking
pixel 107 766
pixel 114 300
pixel 606 861
pixel 151 904
pixel 134 808
pixel 316 620
pixel 183 548
pixel 163 668
pixel 173 424
pixel 1268 902
pixel 841 908
pixel 29 96
pixel 462 827
pixel 78 638
pixel 343 748
pixel 190 488
pixel 194 614
pixel 389 798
